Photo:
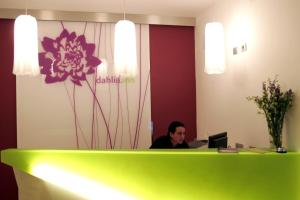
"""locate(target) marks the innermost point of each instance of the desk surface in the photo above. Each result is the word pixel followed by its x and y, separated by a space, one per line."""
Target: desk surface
pixel 175 174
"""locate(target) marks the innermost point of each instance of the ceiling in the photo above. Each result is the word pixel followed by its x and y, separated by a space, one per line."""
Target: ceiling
pixel 180 8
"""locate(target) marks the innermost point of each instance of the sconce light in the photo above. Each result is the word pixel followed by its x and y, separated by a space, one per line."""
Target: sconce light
pixel 240 35
pixel 26 46
pixel 125 58
pixel 214 48
pixel 242 48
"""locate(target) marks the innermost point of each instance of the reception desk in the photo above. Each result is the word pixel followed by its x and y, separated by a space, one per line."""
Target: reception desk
pixel 164 174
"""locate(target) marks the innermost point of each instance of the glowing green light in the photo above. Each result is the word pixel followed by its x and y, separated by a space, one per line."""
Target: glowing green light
pixel 79 185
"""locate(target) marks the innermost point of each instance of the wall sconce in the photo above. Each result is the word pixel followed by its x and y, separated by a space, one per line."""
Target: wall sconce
pixel 214 48
pixel 125 58
pixel 26 46
pixel 240 35
pixel 242 48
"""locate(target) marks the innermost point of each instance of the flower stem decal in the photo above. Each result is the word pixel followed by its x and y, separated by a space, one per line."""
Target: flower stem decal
pixel 107 109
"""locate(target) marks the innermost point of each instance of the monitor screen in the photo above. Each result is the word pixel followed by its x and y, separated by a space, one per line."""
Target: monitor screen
pixel 218 140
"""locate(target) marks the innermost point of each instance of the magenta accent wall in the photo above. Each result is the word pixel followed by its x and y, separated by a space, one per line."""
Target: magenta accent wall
pixel 8 120
pixel 173 82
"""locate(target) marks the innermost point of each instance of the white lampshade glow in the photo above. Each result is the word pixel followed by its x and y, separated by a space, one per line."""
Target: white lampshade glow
pixel 102 68
pixel 26 46
pixel 125 57
pixel 214 48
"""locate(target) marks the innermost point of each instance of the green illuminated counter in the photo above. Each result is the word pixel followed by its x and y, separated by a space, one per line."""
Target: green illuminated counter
pixel 174 174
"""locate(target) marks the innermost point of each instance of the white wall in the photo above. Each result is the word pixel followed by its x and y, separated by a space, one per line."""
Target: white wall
pixel 273 39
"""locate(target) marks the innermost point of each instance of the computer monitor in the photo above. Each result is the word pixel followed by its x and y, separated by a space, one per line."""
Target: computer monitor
pixel 218 140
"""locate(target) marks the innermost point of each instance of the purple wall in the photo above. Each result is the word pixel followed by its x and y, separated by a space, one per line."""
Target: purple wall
pixel 173 82
pixel 8 120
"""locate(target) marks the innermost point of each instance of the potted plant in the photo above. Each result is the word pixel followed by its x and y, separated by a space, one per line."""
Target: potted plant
pixel 274 103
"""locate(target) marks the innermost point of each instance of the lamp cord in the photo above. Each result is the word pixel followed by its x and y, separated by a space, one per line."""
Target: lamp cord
pixel 26 1
pixel 124 9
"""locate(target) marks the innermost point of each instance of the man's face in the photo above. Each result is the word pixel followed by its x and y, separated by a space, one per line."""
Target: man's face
pixel 178 136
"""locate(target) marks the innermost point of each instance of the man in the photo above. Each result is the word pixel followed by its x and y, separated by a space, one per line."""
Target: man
pixel 173 139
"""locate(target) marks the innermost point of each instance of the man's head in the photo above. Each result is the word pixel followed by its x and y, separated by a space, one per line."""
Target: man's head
pixel 176 132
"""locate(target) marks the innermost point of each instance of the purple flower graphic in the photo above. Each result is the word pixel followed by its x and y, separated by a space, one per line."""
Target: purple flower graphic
pixel 67 55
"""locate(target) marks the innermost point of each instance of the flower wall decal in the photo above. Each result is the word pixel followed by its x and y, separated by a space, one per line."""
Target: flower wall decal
pixel 67 56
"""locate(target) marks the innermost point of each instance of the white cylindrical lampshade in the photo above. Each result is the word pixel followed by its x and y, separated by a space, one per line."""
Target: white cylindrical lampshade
pixel 125 58
pixel 214 48
pixel 26 46
pixel 102 68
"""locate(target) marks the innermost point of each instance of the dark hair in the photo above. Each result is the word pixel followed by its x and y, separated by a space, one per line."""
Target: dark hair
pixel 174 125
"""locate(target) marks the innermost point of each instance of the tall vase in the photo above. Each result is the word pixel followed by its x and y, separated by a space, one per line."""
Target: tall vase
pixel 275 130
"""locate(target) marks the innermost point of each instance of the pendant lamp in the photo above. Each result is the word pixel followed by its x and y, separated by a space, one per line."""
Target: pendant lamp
pixel 125 57
pixel 214 48
pixel 26 46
